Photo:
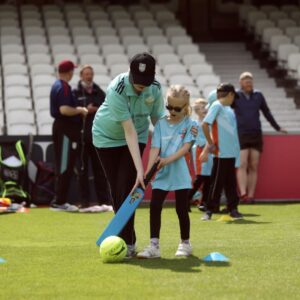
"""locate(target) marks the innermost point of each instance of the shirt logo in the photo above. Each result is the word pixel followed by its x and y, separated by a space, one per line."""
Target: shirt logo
pixel 149 100
pixel 142 67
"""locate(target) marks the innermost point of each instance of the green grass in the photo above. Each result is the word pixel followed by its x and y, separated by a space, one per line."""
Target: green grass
pixel 52 255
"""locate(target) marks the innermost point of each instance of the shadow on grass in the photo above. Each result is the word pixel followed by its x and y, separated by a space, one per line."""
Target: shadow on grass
pixel 251 215
pixel 190 264
pixel 243 221
pixel 216 263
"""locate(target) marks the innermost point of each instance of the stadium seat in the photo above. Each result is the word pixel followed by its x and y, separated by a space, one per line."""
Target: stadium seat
pixel 16 92
pixel 87 49
pixel 187 49
pixel 132 40
pixel 285 23
pixel 60 57
pixel 100 69
pixel 116 69
pixel 200 69
pixel 292 31
pixel 62 49
pixel 21 129
pixel 134 49
pixel 16 80
pixel 180 40
pixel 40 69
pixel 191 59
pixel 174 69
pixel 43 80
pixel 37 48
pixel 276 41
pixel 103 80
pixel 296 40
pixel 151 30
pixel 41 104
pixel 15 69
pixel 152 40
pixel 112 49
pixel 165 59
pixel 284 50
pixel 146 23
pixel 267 9
pixel 252 18
pixel 90 59
pixel 267 35
pixel 295 15
pixel 41 92
pixel 207 80
pixel 275 16
pixel 12 58
pixel 181 79
pixel 18 103
pixel 20 116
pixel 260 25
pixel 128 30
pixel 293 63
pixel 172 31
pixel 162 49
pixel 112 59
pixel 108 39
pixel 38 58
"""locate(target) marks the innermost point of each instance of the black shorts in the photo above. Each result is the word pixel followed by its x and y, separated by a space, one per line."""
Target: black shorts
pixel 251 140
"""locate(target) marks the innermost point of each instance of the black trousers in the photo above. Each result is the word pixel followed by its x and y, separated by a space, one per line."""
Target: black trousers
pixel 71 131
pixel 223 176
pixel 121 174
pixel 204 181
pixel 156 205
pixel 100 182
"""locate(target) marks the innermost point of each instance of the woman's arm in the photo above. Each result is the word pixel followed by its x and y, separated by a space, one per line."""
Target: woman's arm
pixel 181 152
pixel 133 145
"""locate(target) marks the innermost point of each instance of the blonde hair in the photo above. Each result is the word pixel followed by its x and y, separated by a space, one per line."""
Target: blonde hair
pixel 200 101
pixel 180 92
pixel 82 68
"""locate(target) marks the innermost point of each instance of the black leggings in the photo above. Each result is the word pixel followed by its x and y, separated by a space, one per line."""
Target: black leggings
pixel 157 200
pixel 120 172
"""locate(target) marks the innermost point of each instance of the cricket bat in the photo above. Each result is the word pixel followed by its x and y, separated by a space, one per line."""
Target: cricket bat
pixel 127 209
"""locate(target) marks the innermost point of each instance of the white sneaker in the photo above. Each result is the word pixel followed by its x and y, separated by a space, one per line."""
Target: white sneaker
pixel 149 252
pixel 131 251
pixel 184 250
pixel 64 207
pixel 107 207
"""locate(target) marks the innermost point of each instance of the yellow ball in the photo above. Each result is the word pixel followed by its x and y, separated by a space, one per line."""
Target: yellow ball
pixel 113 249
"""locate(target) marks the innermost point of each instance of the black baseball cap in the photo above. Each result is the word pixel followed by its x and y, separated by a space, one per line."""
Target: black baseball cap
pixel 227 88
pixel 142 69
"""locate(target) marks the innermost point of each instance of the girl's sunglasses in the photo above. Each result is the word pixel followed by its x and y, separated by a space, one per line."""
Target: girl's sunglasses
pixel 175 108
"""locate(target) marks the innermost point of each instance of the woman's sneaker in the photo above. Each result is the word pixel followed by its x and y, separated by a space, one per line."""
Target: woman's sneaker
pixel 64 207
pixel 131 251
pixel 149 252
pixel 184 250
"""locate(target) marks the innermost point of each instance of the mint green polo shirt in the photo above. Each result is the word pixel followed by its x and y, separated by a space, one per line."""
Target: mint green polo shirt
pixel 123 103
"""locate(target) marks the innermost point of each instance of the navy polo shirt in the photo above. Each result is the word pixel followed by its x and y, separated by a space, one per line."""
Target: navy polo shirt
pixel 60 95
pixel 247 109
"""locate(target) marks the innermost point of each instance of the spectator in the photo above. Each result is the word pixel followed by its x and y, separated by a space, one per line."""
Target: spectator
pixel 91 96
pixel 247 109
pixel 65 133
pixel 120 131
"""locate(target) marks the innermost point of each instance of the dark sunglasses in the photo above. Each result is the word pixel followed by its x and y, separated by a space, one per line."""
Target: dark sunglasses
pixel 175 108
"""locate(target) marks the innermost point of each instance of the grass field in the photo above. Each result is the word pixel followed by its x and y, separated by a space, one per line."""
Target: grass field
pixel 52 255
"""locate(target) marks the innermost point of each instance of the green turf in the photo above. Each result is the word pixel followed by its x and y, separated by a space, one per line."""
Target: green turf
pixel 52 255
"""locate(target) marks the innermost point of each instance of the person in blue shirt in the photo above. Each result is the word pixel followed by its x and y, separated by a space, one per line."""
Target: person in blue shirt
pixel 202 169
pixel 120 132
pixel 171 143
pixel 65 133
pixel 220 130
pixel 247 109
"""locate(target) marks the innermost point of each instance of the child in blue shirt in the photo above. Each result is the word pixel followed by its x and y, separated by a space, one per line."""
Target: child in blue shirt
pixel 171 143
pixel 220 129
pixel 202 169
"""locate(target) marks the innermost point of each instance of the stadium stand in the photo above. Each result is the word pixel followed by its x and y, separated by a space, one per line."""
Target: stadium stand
pixel 35 38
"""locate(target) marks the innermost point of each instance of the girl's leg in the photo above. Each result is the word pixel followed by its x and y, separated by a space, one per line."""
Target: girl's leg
pixel 182 213
pixel 157 199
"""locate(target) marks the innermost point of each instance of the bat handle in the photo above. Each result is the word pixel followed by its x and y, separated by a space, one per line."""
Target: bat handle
pixel 151 173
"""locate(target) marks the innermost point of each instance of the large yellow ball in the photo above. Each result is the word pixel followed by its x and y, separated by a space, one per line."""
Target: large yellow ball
pixel 113 249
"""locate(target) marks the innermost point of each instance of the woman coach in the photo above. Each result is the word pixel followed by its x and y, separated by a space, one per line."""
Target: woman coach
pixel 120 131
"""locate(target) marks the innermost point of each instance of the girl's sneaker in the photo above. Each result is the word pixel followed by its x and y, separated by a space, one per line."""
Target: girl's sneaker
pixel 184 250
pixel 149 252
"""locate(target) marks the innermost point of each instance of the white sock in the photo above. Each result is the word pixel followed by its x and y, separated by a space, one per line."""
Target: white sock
pixel 154 242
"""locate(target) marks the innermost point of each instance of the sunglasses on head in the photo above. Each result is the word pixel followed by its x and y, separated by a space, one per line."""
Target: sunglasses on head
pixel 175 108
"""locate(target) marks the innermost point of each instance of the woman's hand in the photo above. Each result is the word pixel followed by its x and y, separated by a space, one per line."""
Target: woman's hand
pixel 163 162
pixel 139 181
pixel 204 157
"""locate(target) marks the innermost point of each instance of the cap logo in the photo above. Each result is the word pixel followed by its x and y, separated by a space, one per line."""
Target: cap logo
pixel 142 67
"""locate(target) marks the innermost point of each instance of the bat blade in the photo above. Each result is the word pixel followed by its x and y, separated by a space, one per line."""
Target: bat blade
pixel 122 216
pixel 127 209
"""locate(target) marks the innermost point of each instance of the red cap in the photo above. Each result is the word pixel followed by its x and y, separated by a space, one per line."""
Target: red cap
pixel 66 66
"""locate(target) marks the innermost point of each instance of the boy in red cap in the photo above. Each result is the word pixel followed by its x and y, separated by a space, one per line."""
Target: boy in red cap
pixel 65 132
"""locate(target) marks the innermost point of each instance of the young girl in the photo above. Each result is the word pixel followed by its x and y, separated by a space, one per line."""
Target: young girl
pixel 202 169
pixel 171 142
